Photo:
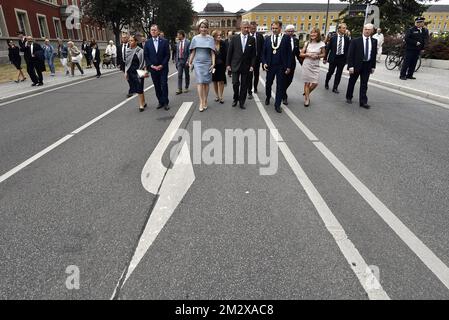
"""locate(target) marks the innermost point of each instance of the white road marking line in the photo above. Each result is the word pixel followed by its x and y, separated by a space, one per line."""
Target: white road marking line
pixel 427 256
pixel 349 251
pixel 170 184
pixel 50 90
pixel 38 155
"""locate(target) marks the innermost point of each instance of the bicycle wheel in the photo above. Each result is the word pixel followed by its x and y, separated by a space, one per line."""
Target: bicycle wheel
pixel 418 64
pixel 392 60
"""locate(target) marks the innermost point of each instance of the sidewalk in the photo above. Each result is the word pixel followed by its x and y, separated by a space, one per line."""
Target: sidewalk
pixel 431 83
pixel 12 90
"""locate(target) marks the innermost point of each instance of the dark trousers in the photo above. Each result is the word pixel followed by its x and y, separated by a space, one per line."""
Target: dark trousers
pixel 279 73
pixel 364 74
pixel 288 81
pixel 254 76
pixel 339 64
pixel 240 81
pixel 160 82
pixel 183 70
pixel 72 67
pixel 97 66
pixel 88 59
pixel 410 61
pixel 34 72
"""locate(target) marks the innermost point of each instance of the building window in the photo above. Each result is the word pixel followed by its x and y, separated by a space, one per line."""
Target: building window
pixel 303 18
pixel 257 17
pixel 23 22
pixel 86 32
pixel 310 17
pixel 65 2
pixel 265 18
pixel 272 18
pixel 309 26
pixel 58 27
pixel 70 34
pixel 228 24
pixel 332 17
pixel 280 18
pixel 324 26
pixel 317 17
pixel 43 26
pixel 288 17
pixel 3 27
pixel 296 18
pixel 302 26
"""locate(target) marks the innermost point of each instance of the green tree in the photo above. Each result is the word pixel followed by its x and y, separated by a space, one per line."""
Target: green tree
pixel 115 13
pixel 395 15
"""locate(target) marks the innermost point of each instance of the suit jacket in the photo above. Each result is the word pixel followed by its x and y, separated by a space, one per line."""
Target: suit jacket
pixel 356 54
pixel 332 46
pixel 186 51
pixel 285 52
pixel 413 36
pixel 97 55
pixel 120 53
pixel 38 60
pixel 295 51
pixel 238 60
pixel 156 59
pixel 259 47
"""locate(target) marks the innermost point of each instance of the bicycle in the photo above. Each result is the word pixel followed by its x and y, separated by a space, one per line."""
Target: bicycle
pixel 395 59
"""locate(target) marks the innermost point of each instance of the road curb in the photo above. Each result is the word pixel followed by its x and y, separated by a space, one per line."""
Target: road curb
pixel 407 90
pixel 53 86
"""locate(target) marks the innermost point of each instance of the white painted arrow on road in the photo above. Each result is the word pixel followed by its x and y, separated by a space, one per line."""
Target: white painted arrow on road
pixel 170 184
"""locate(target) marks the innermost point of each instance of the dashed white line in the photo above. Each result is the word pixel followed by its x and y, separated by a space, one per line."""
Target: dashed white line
pixel 369 283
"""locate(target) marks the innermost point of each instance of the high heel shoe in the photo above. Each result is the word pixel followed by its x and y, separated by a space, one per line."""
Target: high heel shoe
pixel 201 109
pixel 221 100
pixel 23 79
pixel 142 109
pixel 307 102
pixel 217 99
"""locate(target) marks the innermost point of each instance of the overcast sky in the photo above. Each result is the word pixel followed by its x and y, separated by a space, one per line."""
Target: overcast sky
pixel 236 5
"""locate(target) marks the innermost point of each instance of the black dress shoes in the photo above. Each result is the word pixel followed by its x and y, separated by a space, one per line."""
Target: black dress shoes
pixel 326 86
pixel 349 101
pixel 40 84
pixel 242 106
pixel 255 90
pixel 160 106
pixel 250 97
pixel 234 103
pixel 167 107
pixel 267 101
pixel 335 90
pixel 403 78
pixel 364 105
pixel 129 95
pixel 278 109
pixel 412 78
pixel 34 84
pixel 285 102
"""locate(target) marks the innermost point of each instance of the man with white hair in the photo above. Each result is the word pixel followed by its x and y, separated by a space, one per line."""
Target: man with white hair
pixel 380 42
pixel 294 43
pixel 361 62
pixel 111 50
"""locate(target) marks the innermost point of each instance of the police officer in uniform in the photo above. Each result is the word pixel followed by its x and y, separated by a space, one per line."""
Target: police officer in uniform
pixel 415 40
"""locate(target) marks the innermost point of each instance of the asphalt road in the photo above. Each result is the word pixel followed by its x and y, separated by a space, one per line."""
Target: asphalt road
pixel 381 175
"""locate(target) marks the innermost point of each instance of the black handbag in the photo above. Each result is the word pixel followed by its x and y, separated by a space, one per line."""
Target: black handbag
pixel 301 59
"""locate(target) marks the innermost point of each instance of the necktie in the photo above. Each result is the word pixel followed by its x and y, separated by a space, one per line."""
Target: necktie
pixel 276 41
pixel 255 41
pixel 156 44
pixel 340 44
pixel 244 43
pixel 366 49
pixel 181 50
pixel 124 52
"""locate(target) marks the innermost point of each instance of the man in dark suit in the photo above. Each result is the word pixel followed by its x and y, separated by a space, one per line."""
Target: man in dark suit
pixel 240 61
pixel 182 53
pixel 157 56
pixel 121 55
pixel 416 39
pixel 294 45
pixel 361 62
pixel 277 61
pixel 336 54
pixel 254 76
pixel 34 56
pixel 87 51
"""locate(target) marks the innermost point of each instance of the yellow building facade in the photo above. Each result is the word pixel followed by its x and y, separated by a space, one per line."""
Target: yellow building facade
pixel 304 16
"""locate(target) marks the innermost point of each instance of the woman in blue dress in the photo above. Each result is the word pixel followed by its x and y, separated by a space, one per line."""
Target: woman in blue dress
pixel 202 59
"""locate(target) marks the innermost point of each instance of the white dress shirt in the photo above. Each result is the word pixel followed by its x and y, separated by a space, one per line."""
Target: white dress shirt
pixel 342 37
pixel 369 47
pixel 156 43
pixel 244 39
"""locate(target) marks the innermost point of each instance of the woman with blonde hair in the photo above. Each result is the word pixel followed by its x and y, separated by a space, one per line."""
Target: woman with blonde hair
pixel 75 56
pixel 219 77
pixel 202 59
pixel 312 52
